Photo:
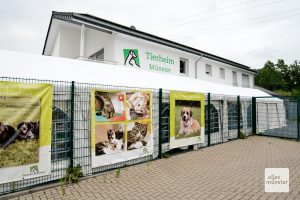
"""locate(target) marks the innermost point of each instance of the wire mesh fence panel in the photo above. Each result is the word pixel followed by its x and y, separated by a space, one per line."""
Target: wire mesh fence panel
pixel 246 110
pixel 73 129
pixel 165 120
pixel 216 119
pixel 61 147
pixel 277 117
pixel 61 134
pixel 298 118
pixel 231 110
pixel 83 130
pixel 223 119
pixel 165 124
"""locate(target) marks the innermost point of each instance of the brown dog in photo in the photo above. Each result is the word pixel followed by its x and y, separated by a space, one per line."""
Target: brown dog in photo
pixel 6 133
pixel 28 130
pixel 188 125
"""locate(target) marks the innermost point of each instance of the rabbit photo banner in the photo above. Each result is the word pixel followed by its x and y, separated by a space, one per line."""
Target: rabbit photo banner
pixel 25 130
pixel 186 118
pixel 121 126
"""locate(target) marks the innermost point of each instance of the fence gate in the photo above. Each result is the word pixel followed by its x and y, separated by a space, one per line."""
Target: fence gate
pixel 278 117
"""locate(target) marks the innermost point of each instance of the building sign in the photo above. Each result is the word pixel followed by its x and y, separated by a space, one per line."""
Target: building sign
pixel 131 57
pixel 121 126
pixel 148 60
pixel 158 62
pixel 186 118
pixel 25 130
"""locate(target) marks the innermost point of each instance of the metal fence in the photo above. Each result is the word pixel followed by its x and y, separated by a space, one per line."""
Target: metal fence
pixel 278 117
pixel 61 143
pixel 226 118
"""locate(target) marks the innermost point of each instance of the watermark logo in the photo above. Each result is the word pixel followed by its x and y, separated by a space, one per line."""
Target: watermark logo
pixel 34 169
pixel 277 180
pixel 131 57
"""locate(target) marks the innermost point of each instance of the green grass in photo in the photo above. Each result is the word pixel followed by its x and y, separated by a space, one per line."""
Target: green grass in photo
pixel 20 153
pixel 196 115
pixel 14 110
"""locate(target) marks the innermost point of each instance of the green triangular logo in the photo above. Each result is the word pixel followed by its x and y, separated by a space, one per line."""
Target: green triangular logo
pixel 131 57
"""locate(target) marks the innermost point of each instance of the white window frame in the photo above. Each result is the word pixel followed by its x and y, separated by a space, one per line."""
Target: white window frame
pixel 186 70
pixel 208 72
pixel 247 78
pixel 222 73
pixel 234 78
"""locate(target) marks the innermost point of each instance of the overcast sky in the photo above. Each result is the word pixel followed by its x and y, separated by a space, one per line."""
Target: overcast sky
pixel 246 31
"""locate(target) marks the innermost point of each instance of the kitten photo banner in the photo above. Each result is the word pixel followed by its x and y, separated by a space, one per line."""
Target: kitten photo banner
pixel 121 126
pixel 186 118
pixel 25 130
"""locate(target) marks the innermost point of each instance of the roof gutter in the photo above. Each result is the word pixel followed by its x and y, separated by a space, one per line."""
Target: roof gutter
pixel 43 53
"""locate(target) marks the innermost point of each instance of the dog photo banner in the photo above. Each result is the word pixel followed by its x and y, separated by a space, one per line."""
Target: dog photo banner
pixel 121 126
pixel 186 118
pixel 25 130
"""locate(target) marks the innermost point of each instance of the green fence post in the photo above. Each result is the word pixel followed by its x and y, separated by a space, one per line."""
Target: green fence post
pixel 254 115
pixel 239 116
pixel 160 123
pixel 298 117
pixel 72 122
pixel 208 119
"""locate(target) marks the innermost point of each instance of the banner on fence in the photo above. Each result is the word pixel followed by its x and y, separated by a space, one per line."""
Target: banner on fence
pixel 121 126
pixel 25 130
pixel 186 118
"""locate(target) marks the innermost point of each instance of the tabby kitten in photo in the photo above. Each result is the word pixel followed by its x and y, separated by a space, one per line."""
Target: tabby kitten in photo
pixel 136 137
pixel 115 143
pixel 103 105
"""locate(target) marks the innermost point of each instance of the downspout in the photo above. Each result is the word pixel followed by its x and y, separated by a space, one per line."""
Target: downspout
pixel 196 63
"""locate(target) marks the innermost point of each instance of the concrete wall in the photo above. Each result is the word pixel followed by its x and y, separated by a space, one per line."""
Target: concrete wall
pixel 68 40
pixel 96 40
pixel 143 47
pixel 56 47
pixel 216 73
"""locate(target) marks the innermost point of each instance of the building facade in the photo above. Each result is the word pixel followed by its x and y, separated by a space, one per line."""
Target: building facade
pixel 82 36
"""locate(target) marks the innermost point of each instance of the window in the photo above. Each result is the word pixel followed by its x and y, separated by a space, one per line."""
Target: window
pixel 222 73
pixel 234 78
pixel 99 55
pixel 183 66
pixel 245 80
pixel 214 119
pixel 233 116
pixel 208 70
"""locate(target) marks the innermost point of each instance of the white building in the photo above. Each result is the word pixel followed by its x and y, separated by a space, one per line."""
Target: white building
pixel 82 36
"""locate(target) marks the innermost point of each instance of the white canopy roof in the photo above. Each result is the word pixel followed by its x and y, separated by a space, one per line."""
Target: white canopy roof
pixel 23 65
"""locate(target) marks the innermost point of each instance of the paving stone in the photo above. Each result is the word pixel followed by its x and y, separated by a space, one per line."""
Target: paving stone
pixel 234 170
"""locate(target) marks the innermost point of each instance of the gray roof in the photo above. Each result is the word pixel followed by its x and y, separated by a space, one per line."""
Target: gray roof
pixel 265 90
pixel 79 18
